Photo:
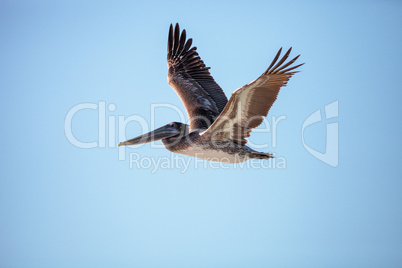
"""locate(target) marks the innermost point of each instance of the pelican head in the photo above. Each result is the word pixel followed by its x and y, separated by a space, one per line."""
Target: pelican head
pixel 171 130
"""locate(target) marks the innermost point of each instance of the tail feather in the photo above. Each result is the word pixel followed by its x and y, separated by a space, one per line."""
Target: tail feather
pixel 259 155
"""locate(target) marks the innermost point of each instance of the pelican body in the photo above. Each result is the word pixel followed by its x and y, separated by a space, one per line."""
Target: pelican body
pixel 218 128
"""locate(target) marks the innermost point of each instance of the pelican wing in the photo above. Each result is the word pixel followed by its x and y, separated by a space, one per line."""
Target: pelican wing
pixel 202 97
pixel 248 104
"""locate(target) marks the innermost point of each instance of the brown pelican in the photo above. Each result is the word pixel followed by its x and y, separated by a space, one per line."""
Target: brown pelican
pixel 218 128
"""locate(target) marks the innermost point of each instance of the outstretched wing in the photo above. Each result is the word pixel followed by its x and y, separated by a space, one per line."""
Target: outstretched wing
pixel 202 97
pixel 248 104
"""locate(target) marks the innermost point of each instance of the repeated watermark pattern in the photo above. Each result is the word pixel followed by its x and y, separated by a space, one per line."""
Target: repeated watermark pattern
pixel 109 124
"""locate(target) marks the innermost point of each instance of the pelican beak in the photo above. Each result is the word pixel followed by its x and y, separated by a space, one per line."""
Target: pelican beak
pixel 160 133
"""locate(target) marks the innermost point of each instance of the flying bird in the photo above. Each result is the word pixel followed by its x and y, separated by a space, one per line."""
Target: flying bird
pixel 218 129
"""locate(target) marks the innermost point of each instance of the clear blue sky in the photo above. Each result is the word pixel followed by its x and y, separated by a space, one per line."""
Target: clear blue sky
pixel 65 206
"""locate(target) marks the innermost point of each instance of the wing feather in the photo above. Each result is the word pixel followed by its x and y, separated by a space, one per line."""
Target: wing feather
pixel 249 104
pixel 190 78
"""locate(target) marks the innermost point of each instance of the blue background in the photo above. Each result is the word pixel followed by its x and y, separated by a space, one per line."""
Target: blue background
pixel 63 206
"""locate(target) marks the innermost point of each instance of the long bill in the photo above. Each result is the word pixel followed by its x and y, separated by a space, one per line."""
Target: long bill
pixel 157 134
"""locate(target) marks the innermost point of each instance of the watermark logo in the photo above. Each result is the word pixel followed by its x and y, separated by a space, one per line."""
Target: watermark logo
pixel 176 161
pixel 331 155
pixel 112 129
